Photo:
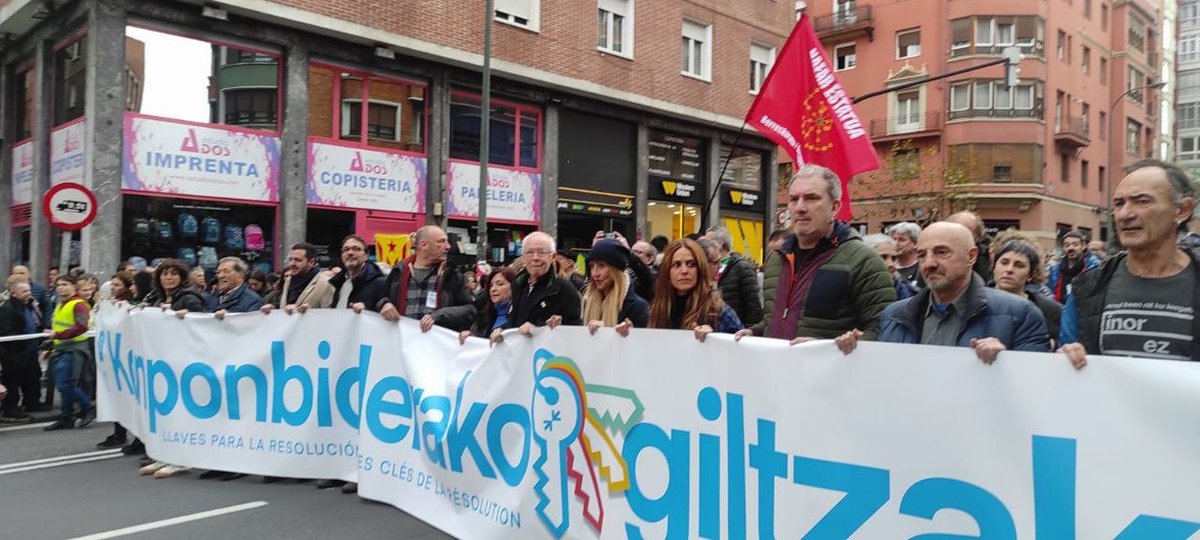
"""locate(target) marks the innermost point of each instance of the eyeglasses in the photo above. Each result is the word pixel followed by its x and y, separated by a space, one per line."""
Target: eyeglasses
pixel 539 252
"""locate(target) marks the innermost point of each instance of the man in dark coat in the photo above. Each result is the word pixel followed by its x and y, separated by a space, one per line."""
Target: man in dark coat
pixel 424 287
pixel 19 369
pixel 540 296
pixel 737 277
pixel 361 284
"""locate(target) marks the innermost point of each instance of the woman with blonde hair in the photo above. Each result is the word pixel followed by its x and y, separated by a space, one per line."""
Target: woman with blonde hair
pixel 683 295
pixel 608 299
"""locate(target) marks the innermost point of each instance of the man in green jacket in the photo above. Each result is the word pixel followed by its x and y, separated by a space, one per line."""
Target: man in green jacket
pixel 823 281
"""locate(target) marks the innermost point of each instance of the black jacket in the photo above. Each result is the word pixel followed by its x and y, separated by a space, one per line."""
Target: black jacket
pixel 12 323
pixel 551 296
pixel 184 298
pixel 635 309
pixel 1085 306
pixel 739 289
pixel 455 307
pixel 643 279
pixel 369 287
pixel 1051 310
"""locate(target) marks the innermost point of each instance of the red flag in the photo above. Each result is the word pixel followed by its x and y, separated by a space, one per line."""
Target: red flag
pixel 803 108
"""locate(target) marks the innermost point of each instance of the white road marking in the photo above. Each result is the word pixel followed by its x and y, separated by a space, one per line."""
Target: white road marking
pixel 6 466
pixel 172 521
pixel 24 426
pixel 53 464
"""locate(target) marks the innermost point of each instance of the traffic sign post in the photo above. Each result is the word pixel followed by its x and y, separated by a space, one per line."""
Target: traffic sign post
pixel 70 207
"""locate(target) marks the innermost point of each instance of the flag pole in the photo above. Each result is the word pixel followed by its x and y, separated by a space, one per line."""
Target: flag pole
pixel 704 212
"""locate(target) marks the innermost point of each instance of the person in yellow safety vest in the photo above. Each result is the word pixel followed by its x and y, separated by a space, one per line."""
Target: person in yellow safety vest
pixel 68 336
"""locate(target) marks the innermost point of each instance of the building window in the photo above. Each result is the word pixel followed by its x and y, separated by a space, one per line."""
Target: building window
pixel 1083 173
pixel 1103 68
pixel 1002 173
pixel 1087 8
pixel 761 58
pixel 1187 115
pixel 1188 84
pixel 242 56
pixel 1189 14
pixel 514 134
pixel 1137 33
pixel 615 32
pixel 908 111
pixel 845 13
pixel 1061 51
pixel 990 35
pixel 522 13
pixel 844 57
pixel 1087 61
pixel 23 111
pixel 70 81
pixel 1133 82
pixel 1188 149
pixel 253 107
pixel 383 120
pixel 1133 137
pixel 1101 177
pixel 906 164
pixel 1003 163
pixel 1188 48
pixel 697 49
pixel 1064 167
pixel 1103 125
pixel 987 98
pixel 1104 17
pixel 908 43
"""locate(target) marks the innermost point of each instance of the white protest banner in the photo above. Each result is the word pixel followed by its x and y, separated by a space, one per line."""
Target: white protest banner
pixel 569 435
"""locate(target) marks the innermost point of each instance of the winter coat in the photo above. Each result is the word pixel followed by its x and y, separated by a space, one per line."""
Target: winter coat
pixel 848 290
pixel 1059 290
pixel 318 293
pixel 455 306
pixel 739 289
pixel 1016 322
pixel 240 300
pixel 554 297
pixel 369 287
pixel 184 298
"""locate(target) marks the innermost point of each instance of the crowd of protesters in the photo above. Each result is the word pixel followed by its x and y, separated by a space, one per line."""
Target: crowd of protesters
pixel 945 284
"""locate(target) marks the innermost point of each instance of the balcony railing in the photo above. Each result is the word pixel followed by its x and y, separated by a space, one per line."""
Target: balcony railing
pixel 845 23
pixel 1072 132
pixel 1034 113
pixel 928 124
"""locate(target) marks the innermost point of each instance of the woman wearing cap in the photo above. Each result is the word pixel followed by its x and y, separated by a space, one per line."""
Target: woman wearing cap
pixel 683 295
pixel 1017 269
pixel 608 300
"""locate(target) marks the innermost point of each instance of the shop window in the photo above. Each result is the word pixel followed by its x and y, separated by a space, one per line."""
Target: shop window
pixel 395 114
pixel 198 233
pixel 23 112
pixel 513 138
pixel 196 80
pixel 70 81
pixel 745 169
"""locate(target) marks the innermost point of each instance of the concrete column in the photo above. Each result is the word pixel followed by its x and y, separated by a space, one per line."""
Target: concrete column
pixel 438 148
pixel 642 195
pixel 43 97
pixel 550 172
pixel 293 145
pixel 105 111
pixel 7 99
pixel 716 158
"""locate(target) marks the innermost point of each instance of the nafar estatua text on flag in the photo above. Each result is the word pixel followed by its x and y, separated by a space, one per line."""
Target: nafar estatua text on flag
pixel 803 108
pixel 570 435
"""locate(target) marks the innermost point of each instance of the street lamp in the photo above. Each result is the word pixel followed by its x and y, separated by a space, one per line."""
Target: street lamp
pixel 1113 169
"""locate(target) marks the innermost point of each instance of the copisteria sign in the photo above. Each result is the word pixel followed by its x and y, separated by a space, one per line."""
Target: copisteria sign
pixel 354 177
pixel 574 435
pixel 184 158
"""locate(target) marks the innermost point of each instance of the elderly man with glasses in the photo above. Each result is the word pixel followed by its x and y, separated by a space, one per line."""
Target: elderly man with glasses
pixel 539 296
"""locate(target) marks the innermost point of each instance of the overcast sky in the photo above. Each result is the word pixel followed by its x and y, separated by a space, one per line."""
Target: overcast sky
pixel 177 70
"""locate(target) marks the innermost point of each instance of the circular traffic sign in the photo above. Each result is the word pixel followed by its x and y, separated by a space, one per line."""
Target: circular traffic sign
pixel 69 206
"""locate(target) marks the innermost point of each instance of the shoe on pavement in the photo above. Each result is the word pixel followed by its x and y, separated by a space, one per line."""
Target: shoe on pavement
pixel 327 484
pixel 135 448
pixel 231 476
pixel 112 441
pixel 271 479
pixel 18 414
pixel 350 487
pixel 171 470
pixel 151 468
pixel 61 424
pixel 87 418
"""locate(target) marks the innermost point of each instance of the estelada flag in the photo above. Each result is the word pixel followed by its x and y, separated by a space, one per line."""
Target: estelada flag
pixel 803 108
pixel 390 249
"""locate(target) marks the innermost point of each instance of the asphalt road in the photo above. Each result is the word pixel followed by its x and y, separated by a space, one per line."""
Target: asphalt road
pixel 58 485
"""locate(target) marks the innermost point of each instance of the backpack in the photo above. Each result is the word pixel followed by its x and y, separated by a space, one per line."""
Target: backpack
pixel 188 226
pixel 187 255
pixel 208 258
pixel 233 237
pixel 264 266
pixel 254 238
pixel 140 229
pixel 210 231
pixel 163 232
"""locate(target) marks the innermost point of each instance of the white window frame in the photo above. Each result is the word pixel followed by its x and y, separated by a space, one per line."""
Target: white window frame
pixel 911 112
pixel 990 23
pixel 966 86
pixel 344 129
pixel 507 11
pixel 758 54
pixel 845 13
pixel 987 85
pixel 1027 89
pixel 624 8
pixel 997 88
pixel 693 35
pixel 917 31
pixel 1012 33
pixel 839 46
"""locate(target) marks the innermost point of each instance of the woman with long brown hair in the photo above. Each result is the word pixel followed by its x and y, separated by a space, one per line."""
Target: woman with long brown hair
pixel 684 298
